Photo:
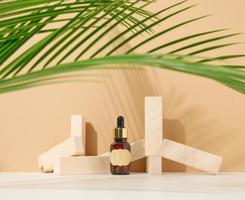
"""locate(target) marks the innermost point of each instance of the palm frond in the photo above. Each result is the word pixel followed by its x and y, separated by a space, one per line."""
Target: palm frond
pixel 113 40
pixel 232 77
pixel 204 42
pixel 102 26
pixel 89 21
pixel 66 32
pixel 221 58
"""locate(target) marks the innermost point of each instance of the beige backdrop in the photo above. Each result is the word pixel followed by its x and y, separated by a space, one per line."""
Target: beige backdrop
pixel 197 111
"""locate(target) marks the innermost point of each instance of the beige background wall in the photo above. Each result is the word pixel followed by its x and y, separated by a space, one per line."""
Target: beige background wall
pixel 197 111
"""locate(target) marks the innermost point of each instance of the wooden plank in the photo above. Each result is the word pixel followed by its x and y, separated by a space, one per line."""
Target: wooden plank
pixel 137 150
pixel 78 165
pixel 69 147
pixel 190 156
pixel 77 125
pixel 78 129
pixel 154 165
pixel 153 125
pixel 153 134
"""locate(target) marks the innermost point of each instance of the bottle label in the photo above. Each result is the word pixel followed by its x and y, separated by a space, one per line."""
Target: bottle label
pixel 120 157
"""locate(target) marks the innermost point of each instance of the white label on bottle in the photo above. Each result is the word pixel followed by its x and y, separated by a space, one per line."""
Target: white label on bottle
pixel 120 157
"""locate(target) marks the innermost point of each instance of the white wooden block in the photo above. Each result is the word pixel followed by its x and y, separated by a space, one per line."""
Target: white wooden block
pixel 153 134
pixel 69 147
pixel 190 156
pixel 137 150
pixel 154 165
pixel 78 129
pixel 82 165
pixel 105 154
pixel 77 125
pixel 153 125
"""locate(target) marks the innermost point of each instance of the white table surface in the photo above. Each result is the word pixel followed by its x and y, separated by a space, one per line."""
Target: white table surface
pixel 168 186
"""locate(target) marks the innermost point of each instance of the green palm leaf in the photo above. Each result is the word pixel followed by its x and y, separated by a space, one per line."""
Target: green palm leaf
pixel 45 62
pixel 232 77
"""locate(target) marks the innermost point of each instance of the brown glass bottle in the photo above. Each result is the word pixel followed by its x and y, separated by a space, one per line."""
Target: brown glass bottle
pixel 120 150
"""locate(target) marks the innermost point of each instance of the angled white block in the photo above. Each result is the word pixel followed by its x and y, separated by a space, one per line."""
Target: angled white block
pixel 69 147
pixel 78 129
pixel 154 165
pixel 190 156
pixel 137 150
pixel 77 165
pixel 153 125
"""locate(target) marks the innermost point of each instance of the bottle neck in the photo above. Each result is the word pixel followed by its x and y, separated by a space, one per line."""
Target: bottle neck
pixel 120 139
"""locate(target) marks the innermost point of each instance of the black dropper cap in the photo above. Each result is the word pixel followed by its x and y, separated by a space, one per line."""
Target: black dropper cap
pixel 120 122
pixel 120 130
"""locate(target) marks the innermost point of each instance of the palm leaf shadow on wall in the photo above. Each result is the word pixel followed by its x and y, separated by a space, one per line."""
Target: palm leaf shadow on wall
pixel 84 24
